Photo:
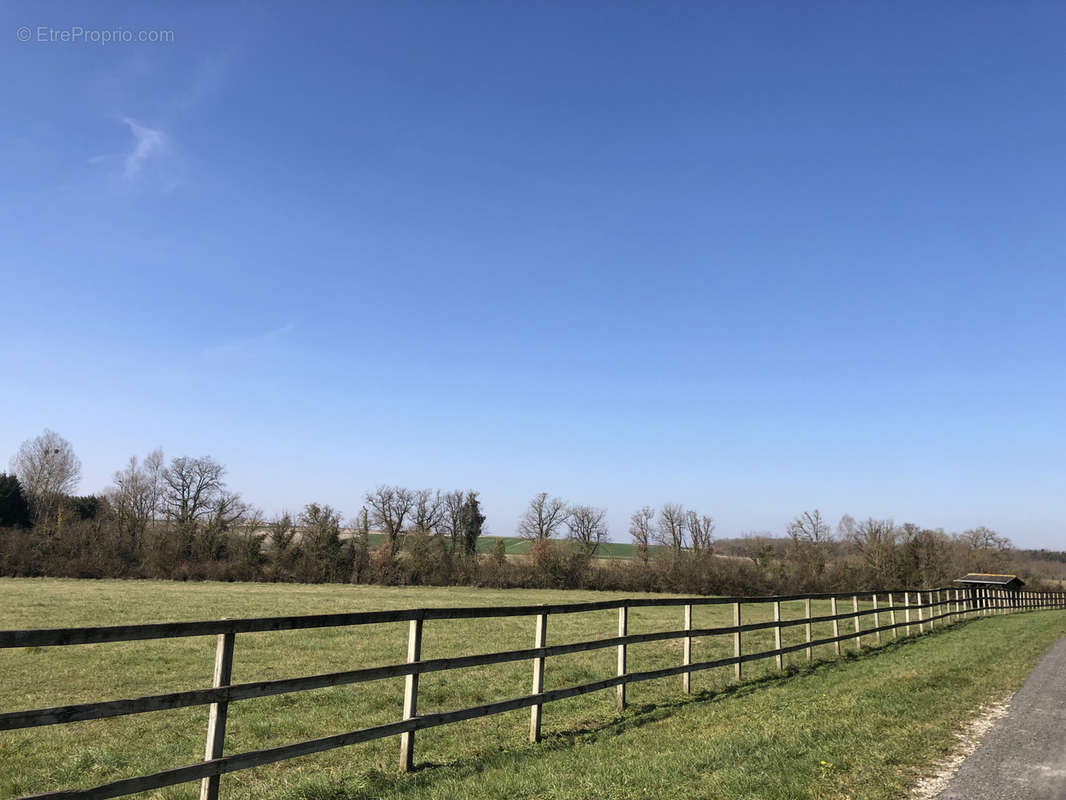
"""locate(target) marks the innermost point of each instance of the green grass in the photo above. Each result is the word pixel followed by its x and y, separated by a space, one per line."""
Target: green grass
pixel 876 719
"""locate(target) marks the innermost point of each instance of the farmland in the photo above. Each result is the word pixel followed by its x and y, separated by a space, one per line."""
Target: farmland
pixel 583 735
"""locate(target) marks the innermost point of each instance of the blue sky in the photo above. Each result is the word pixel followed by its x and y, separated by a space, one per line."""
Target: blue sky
pixel 751 257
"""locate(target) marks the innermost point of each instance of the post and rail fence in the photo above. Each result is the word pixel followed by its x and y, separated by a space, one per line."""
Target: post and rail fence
pixel 941 605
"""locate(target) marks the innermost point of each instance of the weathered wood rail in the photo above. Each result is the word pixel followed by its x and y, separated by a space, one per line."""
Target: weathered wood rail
pixel 928 607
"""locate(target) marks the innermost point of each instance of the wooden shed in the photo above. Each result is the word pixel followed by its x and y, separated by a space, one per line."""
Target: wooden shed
pixel 989 580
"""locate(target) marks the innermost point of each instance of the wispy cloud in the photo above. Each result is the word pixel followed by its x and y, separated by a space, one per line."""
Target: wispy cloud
pixel 148 143
pixel 237 347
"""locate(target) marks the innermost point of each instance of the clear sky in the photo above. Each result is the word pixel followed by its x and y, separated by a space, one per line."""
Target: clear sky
pixel 750 257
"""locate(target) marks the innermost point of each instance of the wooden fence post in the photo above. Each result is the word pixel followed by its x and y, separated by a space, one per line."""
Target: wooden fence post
pixel 623 630
pixel 539 638
pixel 779 659
pixel 737 671
pixel 907 612
pixel 921 620
pixel 892 615
pixel 877 620
pixel 836 624
pixel 410 694
pixel 932 609
pixel 855 608
pixel 809 630
pixel 216 719
pixel 686 677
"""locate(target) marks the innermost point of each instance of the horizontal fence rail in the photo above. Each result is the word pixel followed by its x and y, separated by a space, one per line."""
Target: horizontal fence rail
pixel 919 608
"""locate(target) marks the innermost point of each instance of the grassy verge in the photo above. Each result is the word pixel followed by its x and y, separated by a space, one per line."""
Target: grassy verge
pixel 875 719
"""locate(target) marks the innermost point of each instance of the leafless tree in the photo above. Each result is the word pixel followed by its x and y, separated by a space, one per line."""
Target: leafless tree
pixel 700 532
pixel 982 538
pixel 135 495
pixel 671 530
pixel 544 518
pixel 390 507
pixel 809 527
pixel 587 527
pixel 810 537
pixel 452 518
pixel 428 510
pixel 640 528
pixel 875 542
pixel 191 488
pixel 846 527
pixel 48 469
pixel 987 550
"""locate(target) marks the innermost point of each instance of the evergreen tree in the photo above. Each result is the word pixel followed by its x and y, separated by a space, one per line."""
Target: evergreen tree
pixel 473 520
pixel 499 552
pixel 14 510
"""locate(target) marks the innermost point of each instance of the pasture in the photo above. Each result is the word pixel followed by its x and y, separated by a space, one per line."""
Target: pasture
pixel 89 753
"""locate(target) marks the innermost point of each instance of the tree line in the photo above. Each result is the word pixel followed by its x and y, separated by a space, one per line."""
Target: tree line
pixel 179 519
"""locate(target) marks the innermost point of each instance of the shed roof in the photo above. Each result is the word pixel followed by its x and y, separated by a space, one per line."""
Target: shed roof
pixel 991 579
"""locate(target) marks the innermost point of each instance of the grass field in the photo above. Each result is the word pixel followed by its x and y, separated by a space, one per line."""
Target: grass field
pixel 876 720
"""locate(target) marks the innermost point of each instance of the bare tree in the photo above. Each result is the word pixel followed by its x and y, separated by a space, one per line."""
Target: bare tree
pixel 846 527
pixel 987 550
pixel 640 528
pixel 428 510
pixel 700 532
pixel 810 537
pixel 544 518
pixel 452 518
pixel 192 495
pixel 809 527
pixel 671 530
pixel 135 495
pixel 390 507
pixel 190 489
pixel 875 542
pixel 982 538
pixel 587 527
pixel 48 469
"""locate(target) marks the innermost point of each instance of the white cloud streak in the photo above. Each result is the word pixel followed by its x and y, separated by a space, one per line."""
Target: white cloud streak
pixel 148 143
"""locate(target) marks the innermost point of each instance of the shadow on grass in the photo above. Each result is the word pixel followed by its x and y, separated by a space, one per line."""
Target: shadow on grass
pixel 634 717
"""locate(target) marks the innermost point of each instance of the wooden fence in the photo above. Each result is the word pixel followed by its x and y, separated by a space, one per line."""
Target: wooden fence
pixel 928 607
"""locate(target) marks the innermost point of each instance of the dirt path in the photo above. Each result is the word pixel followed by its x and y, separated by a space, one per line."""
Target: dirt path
pixel 1023 756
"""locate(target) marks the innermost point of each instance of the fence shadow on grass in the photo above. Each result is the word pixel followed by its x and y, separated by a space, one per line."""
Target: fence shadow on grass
pixel 636 716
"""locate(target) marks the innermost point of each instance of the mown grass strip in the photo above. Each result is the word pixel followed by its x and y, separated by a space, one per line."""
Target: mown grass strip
pixel 864 727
